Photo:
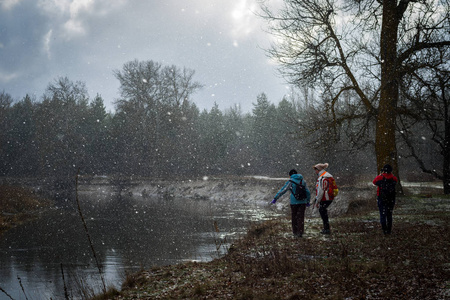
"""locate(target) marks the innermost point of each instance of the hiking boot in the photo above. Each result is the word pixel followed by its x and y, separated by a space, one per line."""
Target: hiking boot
pixel 325 231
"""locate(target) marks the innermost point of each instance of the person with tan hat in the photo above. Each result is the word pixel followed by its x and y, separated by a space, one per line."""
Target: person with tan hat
pixel 323 199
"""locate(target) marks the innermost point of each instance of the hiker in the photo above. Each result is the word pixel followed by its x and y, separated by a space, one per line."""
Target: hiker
pixel 386 183
pixel 323 199
pixel 297 186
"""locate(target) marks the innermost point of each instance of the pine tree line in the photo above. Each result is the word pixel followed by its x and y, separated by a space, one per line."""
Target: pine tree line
pixel 67 130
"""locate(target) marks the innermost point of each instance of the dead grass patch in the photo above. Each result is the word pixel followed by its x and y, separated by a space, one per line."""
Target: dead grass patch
pixel 18 205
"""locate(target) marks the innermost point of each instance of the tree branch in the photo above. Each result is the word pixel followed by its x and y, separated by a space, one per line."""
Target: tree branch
pixel 421 46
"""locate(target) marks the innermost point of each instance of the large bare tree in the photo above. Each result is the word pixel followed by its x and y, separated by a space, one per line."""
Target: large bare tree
pixel 355 53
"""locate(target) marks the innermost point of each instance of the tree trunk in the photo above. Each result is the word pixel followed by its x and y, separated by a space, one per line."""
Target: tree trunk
pixel 385 143
pixel 385 131
pixel 446 150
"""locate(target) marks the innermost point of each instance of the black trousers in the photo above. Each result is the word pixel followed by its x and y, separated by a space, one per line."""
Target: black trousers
pixel 324 213
pixel 386 208
pixel 298 218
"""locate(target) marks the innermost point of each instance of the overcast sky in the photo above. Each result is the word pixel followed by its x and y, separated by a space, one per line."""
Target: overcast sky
pixel 86 40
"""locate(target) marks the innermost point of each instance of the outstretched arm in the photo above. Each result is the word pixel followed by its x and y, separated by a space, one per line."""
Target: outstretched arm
pixel 282 191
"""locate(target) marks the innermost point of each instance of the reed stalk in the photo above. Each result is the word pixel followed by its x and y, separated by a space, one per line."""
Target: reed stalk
pixel 8 295
pixel 88 235
pixel 21 286
pixel 219 243
pixel 66 294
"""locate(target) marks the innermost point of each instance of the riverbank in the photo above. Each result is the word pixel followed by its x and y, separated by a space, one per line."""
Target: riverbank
pixel 19 205
pixel 24 199
pixel 355 262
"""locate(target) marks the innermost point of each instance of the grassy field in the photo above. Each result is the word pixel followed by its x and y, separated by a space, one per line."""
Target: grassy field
pixel 355 262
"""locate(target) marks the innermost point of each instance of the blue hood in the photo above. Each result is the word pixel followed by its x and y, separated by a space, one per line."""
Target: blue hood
pixel 288 187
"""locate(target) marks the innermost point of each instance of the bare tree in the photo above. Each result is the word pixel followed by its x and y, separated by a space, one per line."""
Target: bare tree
pixel 355 53
pixel 153 104
pixel 59 128
pixel 425 121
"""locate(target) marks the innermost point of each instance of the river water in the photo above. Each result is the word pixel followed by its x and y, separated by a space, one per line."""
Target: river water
pixel 43 258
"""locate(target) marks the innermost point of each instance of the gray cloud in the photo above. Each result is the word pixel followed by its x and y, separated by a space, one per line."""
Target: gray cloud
pixel 87 40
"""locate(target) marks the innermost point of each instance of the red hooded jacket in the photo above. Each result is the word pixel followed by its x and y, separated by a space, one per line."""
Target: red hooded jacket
pixel 380 177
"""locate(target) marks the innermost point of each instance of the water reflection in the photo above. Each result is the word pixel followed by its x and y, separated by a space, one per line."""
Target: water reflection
pixel 128 233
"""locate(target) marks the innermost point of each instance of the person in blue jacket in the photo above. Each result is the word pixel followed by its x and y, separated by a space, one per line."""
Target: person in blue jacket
pixel 298 207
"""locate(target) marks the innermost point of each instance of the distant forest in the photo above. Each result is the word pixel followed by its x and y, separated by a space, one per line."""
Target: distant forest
pixel 158 131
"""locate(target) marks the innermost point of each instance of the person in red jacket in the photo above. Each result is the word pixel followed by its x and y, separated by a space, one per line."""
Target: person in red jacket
pixel 386 183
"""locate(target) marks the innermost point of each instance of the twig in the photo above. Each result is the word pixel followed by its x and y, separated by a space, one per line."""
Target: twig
pixel 2 290
pixel 23 290
pixel 66 294
pixel 88 236
pixel 219 243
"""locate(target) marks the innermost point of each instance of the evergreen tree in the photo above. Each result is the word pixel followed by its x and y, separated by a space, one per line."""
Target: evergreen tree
pixel 263 138
pixel 22 148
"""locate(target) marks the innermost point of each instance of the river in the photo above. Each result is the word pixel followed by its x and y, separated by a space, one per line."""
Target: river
pixel 45 257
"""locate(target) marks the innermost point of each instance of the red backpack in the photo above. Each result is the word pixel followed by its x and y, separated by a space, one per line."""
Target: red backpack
pixel 330 187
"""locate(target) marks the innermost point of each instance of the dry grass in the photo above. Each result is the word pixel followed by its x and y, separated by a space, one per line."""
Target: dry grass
pixel 356 262
pixel 18 205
